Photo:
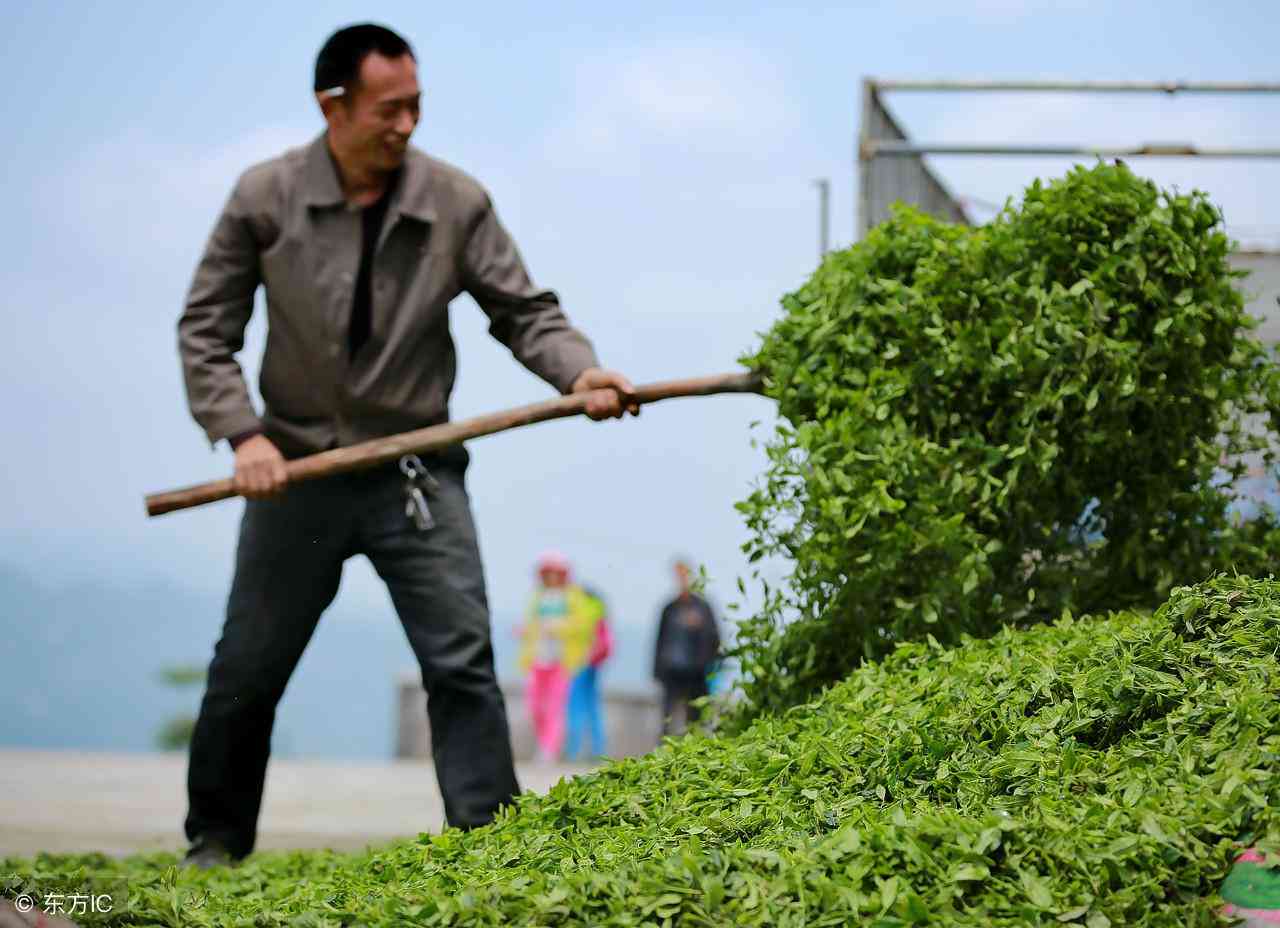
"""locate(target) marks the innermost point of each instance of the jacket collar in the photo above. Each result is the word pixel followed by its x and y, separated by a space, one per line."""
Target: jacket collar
pixel 411 197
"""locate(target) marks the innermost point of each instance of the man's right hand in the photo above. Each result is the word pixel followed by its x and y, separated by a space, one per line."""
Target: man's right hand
pixel 260 469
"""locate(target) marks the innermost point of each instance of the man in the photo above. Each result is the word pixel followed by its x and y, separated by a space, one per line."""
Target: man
pixel 361 242
pixel 687 646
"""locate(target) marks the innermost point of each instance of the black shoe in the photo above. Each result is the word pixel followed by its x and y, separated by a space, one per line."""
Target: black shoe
pixel 207 854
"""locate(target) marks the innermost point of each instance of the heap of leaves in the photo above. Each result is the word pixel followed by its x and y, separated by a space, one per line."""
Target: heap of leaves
pixel 991 425
pixel 1089 772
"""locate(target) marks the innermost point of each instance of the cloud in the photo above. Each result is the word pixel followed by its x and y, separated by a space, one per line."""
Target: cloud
pixel 678 173
pixel 142 199
pixel 691 97
pixel 1008 11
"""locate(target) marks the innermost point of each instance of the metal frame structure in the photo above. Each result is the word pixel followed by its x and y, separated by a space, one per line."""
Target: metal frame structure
pixel 881 139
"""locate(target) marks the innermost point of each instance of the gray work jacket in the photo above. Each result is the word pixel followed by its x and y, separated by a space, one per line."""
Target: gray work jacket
pixel 288 226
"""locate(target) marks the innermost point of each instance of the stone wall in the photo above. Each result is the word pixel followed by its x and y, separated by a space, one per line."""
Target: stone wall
pixel 632 720
pixel 1262 290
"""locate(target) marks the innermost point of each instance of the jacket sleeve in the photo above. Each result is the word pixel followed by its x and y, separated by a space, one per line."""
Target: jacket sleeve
pixel 211 327
pixel 528 636
pixel 657 645
pixel 602 647
pixel 713 634
pixel 527 320
pixel 716 643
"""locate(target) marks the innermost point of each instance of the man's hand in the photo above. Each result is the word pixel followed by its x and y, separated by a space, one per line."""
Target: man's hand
pixel 260 470
pixel 609 394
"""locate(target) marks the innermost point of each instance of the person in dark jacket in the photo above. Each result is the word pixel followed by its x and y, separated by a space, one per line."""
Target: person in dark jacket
pixel 686 649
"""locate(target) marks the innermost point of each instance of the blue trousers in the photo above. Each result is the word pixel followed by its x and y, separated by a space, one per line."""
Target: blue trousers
pixel 584 715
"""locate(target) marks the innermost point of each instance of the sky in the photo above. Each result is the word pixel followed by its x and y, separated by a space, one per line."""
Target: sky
pixel 654 162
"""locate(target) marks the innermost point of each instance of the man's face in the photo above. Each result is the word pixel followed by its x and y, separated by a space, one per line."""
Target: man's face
pixel 372 123
pixel 682 576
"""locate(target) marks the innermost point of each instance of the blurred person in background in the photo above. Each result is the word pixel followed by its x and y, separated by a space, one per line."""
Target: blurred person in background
pixel 556 642
pixel 686 651
pixel 586 720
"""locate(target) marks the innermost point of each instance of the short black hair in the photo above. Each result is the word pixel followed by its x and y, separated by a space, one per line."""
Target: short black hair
pixel 338 64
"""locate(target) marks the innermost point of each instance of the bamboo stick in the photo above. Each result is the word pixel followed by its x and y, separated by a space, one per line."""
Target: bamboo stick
pixel 432 438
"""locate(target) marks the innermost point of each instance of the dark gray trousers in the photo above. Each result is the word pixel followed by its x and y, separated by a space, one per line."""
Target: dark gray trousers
pixel 288 563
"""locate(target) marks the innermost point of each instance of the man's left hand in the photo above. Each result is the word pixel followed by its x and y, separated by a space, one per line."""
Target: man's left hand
pixel 609 394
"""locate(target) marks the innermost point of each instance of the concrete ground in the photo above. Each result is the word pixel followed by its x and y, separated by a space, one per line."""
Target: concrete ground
pixel 71 801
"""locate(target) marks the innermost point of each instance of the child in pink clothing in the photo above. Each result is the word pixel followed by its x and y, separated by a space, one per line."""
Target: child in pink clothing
pixel 547 682
pixel 546 694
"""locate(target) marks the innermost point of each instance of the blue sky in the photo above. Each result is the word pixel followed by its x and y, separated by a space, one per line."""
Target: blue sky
pixel 653 161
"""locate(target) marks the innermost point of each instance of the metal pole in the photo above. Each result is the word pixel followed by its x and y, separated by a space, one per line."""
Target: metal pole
pixel 862 219
pixel 877 148
pixel 1169 87
pixel 824 216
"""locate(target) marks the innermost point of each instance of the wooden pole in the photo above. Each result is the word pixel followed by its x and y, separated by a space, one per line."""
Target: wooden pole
pixel 421 441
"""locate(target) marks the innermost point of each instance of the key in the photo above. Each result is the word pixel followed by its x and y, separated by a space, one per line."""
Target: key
pixel 415 508
pixel 412 467
pixel 429 483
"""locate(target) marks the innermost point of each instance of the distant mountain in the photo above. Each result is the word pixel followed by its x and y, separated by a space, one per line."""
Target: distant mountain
pixel 81 667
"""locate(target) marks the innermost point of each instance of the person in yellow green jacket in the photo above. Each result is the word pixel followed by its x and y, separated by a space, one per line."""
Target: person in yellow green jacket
pixel 556 641
pixel 584 719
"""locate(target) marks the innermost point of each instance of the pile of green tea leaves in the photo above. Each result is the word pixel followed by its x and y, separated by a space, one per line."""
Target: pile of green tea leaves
pixel 1092 772
pixel 990 425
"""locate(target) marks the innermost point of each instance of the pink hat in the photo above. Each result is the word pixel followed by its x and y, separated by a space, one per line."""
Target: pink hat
pixel 552 559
